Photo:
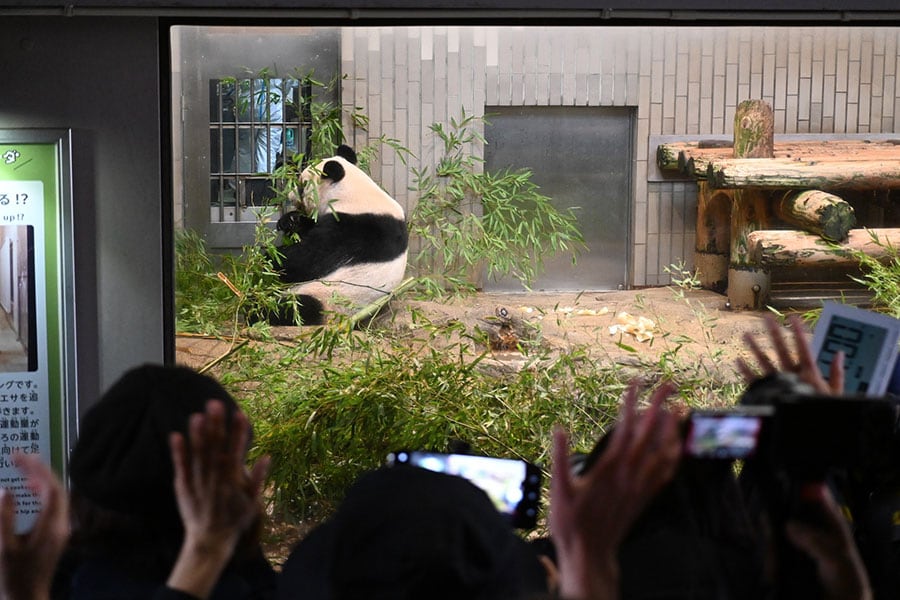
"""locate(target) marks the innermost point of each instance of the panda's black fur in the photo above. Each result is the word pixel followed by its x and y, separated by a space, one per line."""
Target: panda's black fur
pixel 360 239
pixel 356 247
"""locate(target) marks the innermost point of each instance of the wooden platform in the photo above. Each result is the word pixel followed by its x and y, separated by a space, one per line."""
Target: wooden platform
pixel 767 205
pixel 698 159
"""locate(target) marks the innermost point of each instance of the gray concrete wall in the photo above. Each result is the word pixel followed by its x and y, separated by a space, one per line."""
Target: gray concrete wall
pixel 100 77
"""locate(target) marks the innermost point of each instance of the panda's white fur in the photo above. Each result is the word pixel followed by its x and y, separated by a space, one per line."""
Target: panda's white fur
pixel 355 193
pixel 360 284
pixel 354 251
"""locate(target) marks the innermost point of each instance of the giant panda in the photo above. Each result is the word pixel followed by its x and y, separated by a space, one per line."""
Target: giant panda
pixel 352 253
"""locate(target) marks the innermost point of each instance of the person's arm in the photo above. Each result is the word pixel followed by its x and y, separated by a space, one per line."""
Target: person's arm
pixel 591 514
pixel 218 498
pixel 28 561
pixel 799 361
pixel 829 542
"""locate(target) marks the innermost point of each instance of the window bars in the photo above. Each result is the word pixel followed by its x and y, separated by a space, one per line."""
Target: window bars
pixel 255 125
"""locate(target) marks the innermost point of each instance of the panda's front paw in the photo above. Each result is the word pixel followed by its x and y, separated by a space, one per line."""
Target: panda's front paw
pixel 294 222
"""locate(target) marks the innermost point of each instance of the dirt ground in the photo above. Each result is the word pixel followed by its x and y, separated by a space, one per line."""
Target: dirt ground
pixel 625 327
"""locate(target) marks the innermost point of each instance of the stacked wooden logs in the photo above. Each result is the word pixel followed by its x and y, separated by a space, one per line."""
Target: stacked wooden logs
pixel 801 181
pixel 799 164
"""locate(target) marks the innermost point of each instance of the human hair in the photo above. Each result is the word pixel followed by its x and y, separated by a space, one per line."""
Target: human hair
pixel 124 509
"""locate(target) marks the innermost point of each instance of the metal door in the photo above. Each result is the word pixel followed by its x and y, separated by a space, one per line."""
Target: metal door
pixel 580 157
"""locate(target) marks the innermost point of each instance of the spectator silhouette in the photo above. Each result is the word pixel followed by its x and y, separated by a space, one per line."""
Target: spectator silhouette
pixel 408 533
pixel 129 520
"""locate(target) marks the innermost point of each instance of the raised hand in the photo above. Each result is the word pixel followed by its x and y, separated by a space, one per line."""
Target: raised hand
pixel 28 561
pixel 830 544
pixel 591 514
pixel 800 361
pixel 218 497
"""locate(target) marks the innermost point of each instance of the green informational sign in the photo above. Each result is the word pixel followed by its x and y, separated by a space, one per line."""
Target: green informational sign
pixel 37 371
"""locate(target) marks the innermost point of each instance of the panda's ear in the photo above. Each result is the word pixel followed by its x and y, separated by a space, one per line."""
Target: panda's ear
pixel 347 153
pixel 333 170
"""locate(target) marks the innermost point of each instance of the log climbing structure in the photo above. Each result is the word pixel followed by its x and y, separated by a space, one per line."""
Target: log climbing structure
pixel 795 208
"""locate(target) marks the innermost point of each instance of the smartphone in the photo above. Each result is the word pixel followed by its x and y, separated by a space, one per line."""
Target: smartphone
pixel 513 485
pixel 723 435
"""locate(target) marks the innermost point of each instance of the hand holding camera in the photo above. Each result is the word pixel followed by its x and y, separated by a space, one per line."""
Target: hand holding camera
pixel 590 514
pixel 801 362
pixel 829 542
pixel 833 427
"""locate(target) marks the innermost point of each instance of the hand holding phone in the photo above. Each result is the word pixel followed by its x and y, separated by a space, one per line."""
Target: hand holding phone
pixel 513 485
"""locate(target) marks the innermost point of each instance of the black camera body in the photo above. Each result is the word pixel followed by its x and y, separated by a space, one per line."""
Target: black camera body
pixel 813 435
pixel 851 444
pixel 785 425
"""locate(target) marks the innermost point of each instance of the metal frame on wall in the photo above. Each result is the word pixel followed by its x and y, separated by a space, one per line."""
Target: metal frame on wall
pixel 606 9
pixel 765 12
pixel 38 397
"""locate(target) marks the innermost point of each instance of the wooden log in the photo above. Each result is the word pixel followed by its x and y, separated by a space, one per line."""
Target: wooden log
pixel 771 249
pixel 712 241
pixel 818 212
pixel 839 150
pixel 748 286
pixel 713 219
pixel 754 130
pixel 749 212
pixel 678 155
pixel 694 160
pixel 667 157
pixel 783 173
pixel 669 154
pixel 694 166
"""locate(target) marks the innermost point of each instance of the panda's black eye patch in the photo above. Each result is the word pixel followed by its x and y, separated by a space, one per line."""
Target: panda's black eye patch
pixel 333 170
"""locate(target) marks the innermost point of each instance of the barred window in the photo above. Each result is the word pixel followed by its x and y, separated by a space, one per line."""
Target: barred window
pixel 255 125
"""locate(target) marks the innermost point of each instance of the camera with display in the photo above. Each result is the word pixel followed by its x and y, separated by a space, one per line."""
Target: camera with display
pixel 851 444
pixel 783 425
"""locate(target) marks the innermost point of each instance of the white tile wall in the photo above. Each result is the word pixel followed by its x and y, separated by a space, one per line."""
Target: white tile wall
pixel 682 80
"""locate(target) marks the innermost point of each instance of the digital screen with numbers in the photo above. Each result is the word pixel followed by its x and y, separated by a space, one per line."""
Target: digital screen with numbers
pixel 861 344
pixel 868 341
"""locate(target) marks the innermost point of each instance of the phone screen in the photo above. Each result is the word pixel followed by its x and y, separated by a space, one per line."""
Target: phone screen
pixel 722 435
pixel 512 485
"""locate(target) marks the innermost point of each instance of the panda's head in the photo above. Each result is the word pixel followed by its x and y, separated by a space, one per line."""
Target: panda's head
pixel 337 185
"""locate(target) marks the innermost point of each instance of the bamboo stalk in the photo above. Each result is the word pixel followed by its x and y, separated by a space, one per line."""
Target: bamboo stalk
pixel 372 309
pixel 224 279
pixel 215 361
